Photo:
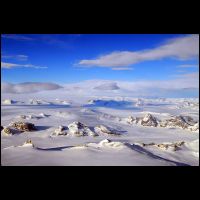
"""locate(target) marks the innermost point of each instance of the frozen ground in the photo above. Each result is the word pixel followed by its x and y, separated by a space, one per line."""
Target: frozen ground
pixel 125 148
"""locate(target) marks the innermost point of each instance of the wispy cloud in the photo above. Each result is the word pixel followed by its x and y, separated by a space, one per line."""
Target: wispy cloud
pixel 181 48
pixel 188 66
pixel 5 65
pixel 50 39
pixel 181 71
pixel 18 37
pixel 59 40
pixel 15 57
pixel 28 87
pixel 122 68
pixel 194 75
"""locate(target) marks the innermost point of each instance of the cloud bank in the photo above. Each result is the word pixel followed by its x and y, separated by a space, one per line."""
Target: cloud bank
pixel 28 87
pixel 107 86
pixel 181 48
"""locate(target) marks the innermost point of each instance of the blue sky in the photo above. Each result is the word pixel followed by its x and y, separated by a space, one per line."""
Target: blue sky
pixel 69 58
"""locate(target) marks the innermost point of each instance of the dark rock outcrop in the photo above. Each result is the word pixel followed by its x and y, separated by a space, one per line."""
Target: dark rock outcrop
pixel 100 129
pixel 149 120
pixel 178 121
pixel 23 126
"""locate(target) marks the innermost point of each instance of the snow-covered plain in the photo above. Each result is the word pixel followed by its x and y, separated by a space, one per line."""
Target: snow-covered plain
pixel 117 141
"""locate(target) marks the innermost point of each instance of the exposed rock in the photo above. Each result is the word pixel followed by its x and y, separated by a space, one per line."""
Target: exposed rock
pixel 189 120
pixel 137 120
pixel 100 129
pixel 28 143
pixel 23 126
pixel 150 144
pixel 162 146
pixel 149 120
pixel 7 131
pixel 35 102
pixel 79 129
pixel 61 130
pixel 178 121
pixel 194 127
pixel 173 146
pixel 184 122
pixel 130 120
pixel 8 101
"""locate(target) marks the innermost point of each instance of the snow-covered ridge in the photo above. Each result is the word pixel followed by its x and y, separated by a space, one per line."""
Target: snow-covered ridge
pixel 79 129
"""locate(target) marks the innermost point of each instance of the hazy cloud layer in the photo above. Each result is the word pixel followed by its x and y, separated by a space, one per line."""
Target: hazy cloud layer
pixel 28 87
pixel 179 86
pixel 182 48
pixel 189 76
pixel 6 65
pixel 182 81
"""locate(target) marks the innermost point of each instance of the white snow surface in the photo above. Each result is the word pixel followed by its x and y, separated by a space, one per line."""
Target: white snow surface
pixel 49 112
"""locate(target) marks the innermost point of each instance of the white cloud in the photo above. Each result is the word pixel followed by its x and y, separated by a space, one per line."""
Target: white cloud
pixel 13 65
pixel 8 65
pixel 16 57
pixel 189 80
pixel 182 48
pixel 188 66
pixel 107 86
pixel 194 75
pixel 176 87
pixel 28 87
